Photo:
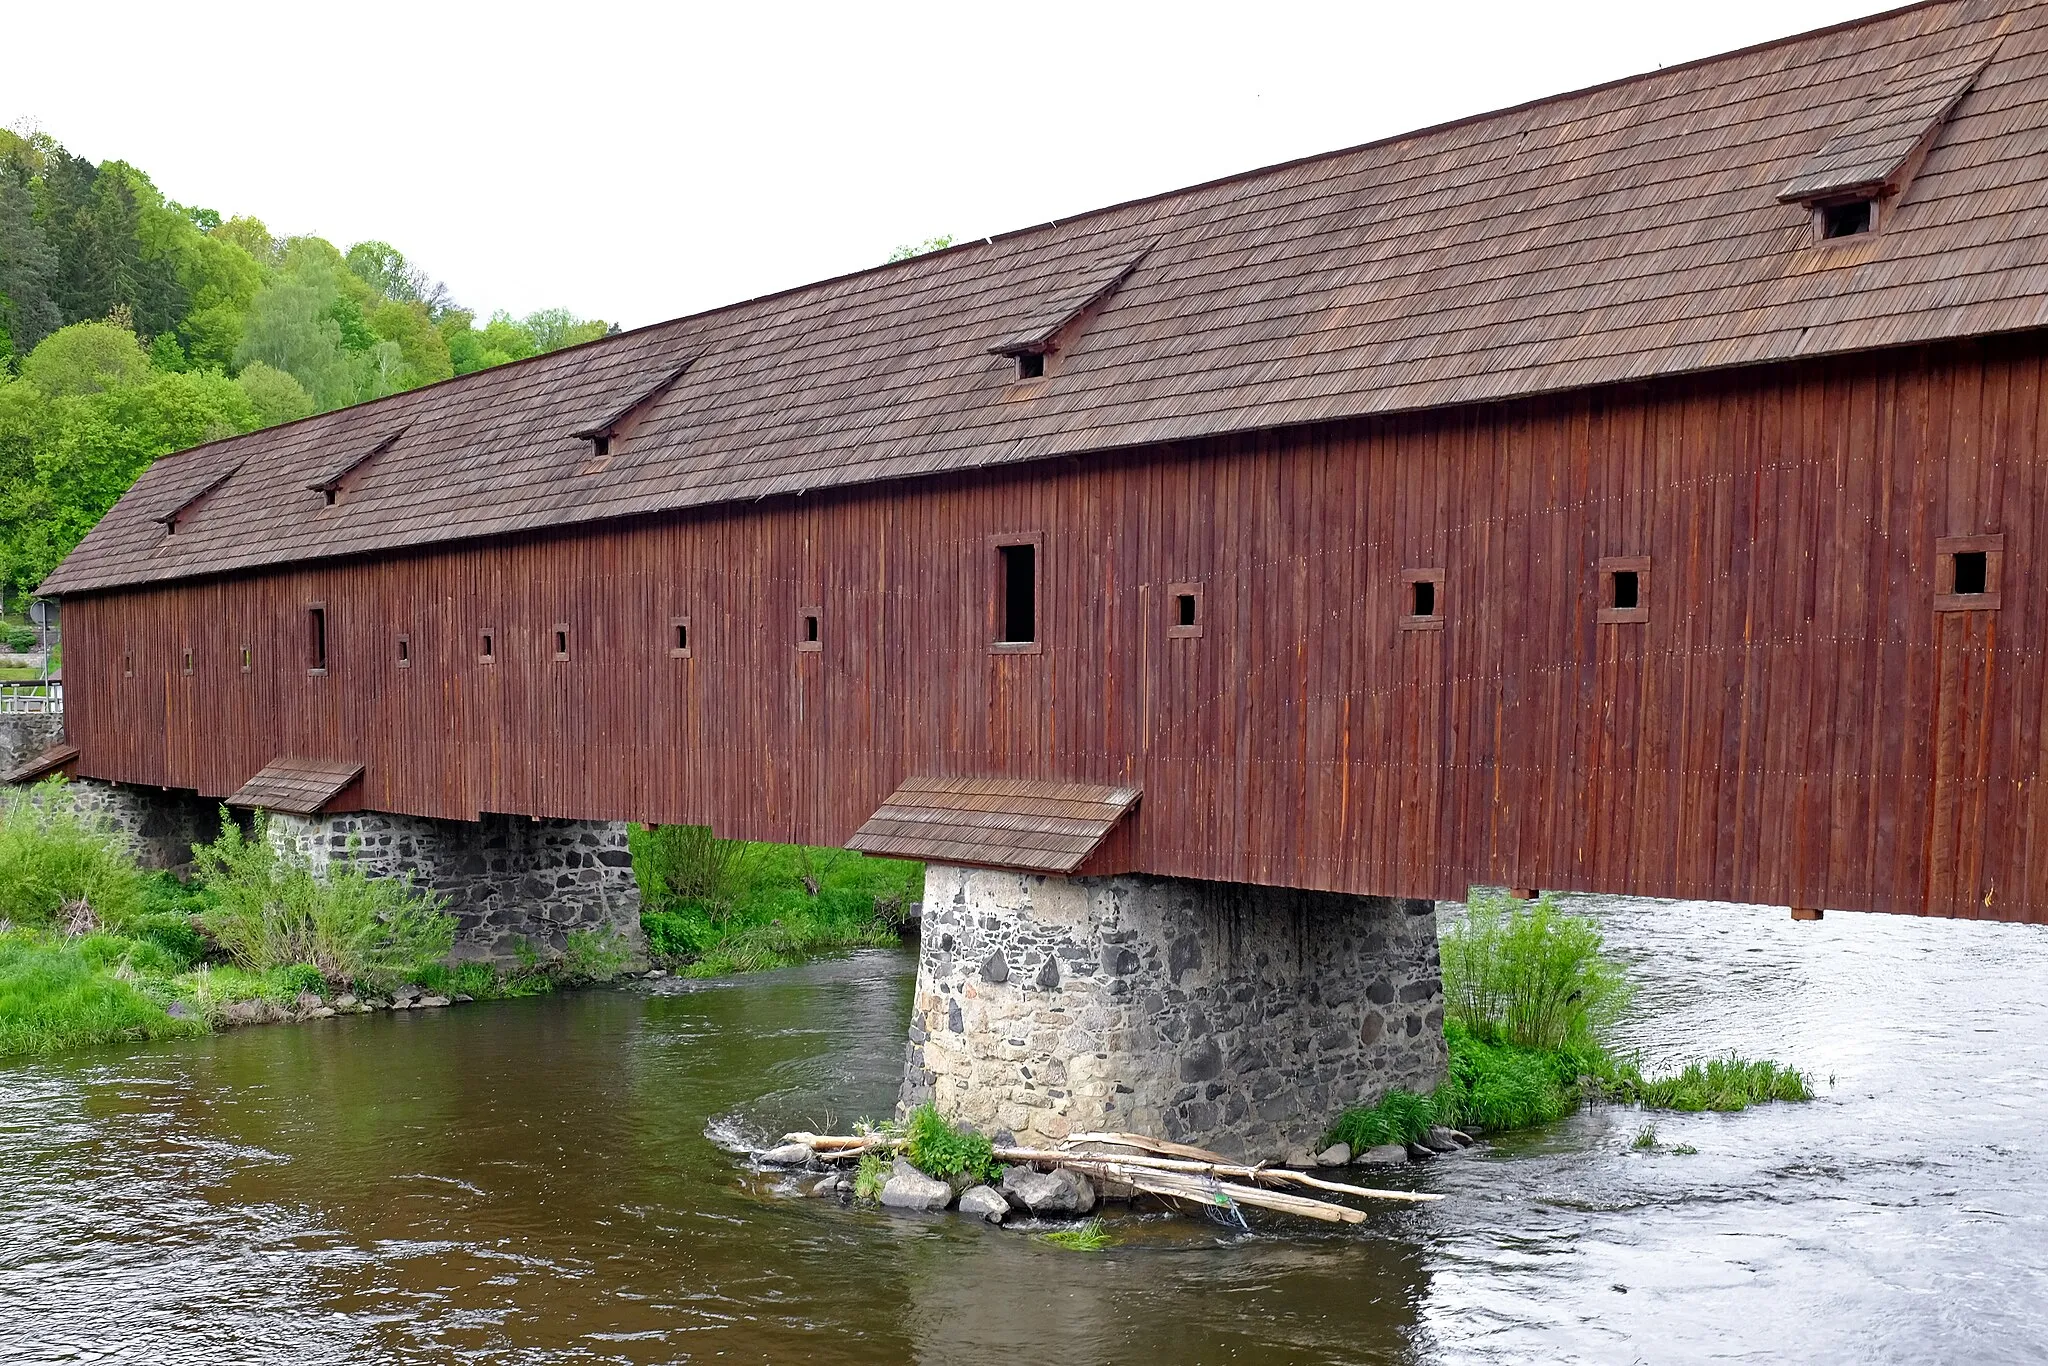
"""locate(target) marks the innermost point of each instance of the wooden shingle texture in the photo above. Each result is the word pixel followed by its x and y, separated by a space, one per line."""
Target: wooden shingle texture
pixel 1037 827
pixel 55 759
pixel 298 787
pixel 1620 233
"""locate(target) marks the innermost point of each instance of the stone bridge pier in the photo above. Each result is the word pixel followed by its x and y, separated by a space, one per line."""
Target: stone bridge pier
pixel 1240 1018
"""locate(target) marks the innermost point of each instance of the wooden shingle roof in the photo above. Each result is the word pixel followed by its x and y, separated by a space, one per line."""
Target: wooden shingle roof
pixel 1039 827
pixel 299 787
pixel 1620 233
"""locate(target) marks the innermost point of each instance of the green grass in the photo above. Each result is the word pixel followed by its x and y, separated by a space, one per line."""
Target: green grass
pixel 1088 1237
pixel 714 907
pixel 1729 1083
pixel 57 995
pixel 1645 1139
pixel 870 1177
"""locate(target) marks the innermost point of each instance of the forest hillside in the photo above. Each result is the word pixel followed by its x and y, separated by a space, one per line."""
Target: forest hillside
pixel 132 326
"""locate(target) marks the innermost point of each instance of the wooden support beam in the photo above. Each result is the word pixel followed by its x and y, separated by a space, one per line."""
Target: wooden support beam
pixel 1807 913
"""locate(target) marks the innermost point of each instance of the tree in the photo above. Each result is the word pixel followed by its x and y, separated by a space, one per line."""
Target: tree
pixel 86 358
pixel 908 250
pixel 28 266
pixel 555 328
pixel 274 395
pixel 288 328
pixel 251 236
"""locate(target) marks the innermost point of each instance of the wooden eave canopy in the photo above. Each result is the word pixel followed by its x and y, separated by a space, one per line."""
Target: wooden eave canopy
pixel 55 759
pixel 189 499
pixel 1032 826
pixel 330 479
pixel 1092 282
pixel 1875 152
pixel 297 787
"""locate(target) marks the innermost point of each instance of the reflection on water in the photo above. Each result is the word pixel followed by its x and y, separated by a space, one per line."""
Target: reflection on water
pixel 529 1181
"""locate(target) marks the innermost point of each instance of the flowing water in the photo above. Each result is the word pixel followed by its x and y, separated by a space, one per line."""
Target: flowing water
pixel 531 1181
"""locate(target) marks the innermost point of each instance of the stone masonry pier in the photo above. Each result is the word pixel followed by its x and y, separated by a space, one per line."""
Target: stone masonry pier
pixel 508 880
pixel 1241 1018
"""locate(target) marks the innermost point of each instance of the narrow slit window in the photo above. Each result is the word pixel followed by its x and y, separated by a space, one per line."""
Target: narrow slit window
pixel 561 641
pixel 1020 594
pixel 808 636
pixel 404 652
pixel 188 659
pixel 679 637
pixel 1030 365
pixel 1424 599
pixel 1847 220
pixel 329 493
pixel 128 664
pixel 1184 609
pixel 1972 572
pixel 1627 591
pixel 486 646
pixel 316 622
pixel 247 660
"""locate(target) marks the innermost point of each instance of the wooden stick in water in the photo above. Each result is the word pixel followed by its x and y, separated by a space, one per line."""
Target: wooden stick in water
pixel 1218 1169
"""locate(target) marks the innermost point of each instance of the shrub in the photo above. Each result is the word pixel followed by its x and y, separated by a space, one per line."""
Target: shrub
pixel 269 911
pixel 21 638
pixel 1528 975
pixel 53 856
pixel 685 865
pixel 869 1178
pixel 937 1149
pixel 1398 1117
pixel 596 955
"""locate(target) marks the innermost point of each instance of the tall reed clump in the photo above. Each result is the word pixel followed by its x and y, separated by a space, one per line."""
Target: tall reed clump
pixel 1529 995
pixel 59 864
pixel 268 910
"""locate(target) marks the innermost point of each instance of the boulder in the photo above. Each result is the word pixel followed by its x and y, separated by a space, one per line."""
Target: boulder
pixel 429 1002
pixel 307 1002
pixel 346 1001
pixel 1300 1159
pixel 405 994
pixel 1421 1152
pixel 1385 1155
pixel 984 1202
pixel 320 1013
pixel 788 1155
pixel 909 1188
pixel 832 1184
pixel 463 998
pixel 1440 1139
pixel 1336 1155
pixel 1059 1191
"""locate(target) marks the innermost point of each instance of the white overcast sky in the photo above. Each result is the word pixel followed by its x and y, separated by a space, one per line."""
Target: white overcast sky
pixel 640 161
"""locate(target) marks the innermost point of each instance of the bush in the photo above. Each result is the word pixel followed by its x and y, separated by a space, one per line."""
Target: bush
pixel 688 866
pixel 20 638
pixel 53 857
pixel 269 911
pixel 595 955
pixel 869 1178
pixel 1527 975
pixel 937 1149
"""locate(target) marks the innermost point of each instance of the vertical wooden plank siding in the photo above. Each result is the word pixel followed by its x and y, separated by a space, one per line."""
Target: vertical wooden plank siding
pixel 1794 723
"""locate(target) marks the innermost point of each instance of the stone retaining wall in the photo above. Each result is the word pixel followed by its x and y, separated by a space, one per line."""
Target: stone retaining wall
pixel 1240 1018
pixel 24 735
pixel 161 823
pixel 507 879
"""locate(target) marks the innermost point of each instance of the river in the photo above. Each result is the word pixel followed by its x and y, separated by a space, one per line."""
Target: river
pixel 530 1181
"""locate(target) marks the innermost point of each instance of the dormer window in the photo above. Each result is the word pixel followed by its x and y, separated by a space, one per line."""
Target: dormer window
pixel 1030 365
pixel 1848 219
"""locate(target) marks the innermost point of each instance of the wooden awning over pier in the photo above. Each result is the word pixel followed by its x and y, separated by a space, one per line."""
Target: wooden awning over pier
pixel 1037 827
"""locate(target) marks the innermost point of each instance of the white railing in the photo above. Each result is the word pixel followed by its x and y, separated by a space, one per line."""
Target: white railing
pixel 18 699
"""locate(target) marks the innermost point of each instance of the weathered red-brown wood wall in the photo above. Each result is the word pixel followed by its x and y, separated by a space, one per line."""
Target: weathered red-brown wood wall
pixel 1794 723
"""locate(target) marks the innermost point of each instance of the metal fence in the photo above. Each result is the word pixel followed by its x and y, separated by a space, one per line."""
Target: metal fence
pixel 17 699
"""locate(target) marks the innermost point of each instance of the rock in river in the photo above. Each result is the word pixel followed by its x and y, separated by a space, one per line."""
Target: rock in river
pixel 1336 1155
pixel 985 1202
pixel 1058 1191
pixel 788 1155
pixel 909 1188
pixel 1385 1155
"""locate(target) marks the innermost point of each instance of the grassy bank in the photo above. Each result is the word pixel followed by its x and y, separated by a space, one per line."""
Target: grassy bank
pixel 1530 996
pixel 92 950
pixel 713 906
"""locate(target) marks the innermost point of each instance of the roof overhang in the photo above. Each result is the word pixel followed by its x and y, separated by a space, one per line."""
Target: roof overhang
pixel 298 787
pixel 1020 823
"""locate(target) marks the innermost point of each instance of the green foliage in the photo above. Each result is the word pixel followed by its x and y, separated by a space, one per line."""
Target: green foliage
pixel 1398 1117
pixel 1529 975
pixel 717 906
pixel 57 994
pixel 273 394
pixel 86 358
pixel 477 980
pixel 1497 1086
pixel 908 249
pixel 269 911
pixel 1645 1139
pixel 595 955
pixel 54 859
pixel 938 1149
pixel 1729 1083
pixel 1091 1236
pixel 869 1178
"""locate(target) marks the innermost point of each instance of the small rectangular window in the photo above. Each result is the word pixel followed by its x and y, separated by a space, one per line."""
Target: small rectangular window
pixel 1624 589
pixel 1031 365
pixel 128 664
pixel 807 633
pixel 404 651
pixel 679 637
pixel 1184 617
pixel 1847 220
pixel 486 646
pixel 188 659
pixel 330 496
pixel 1020 593
pixel 1424 608
pixel 1967 573
pixel 316 638
pixel 561 641
pixel 248 661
